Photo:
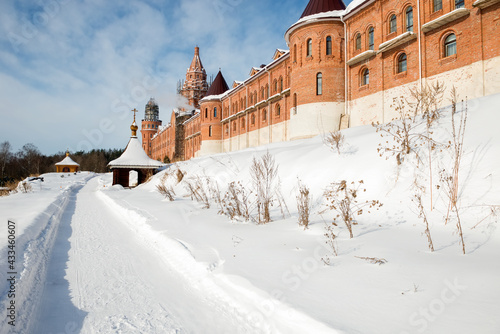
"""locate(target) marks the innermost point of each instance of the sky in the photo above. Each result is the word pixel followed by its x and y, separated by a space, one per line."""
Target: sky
pixel 71 71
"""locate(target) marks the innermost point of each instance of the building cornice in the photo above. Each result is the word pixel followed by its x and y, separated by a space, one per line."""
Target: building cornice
pixel 484 3
pixel 396 41
pixel 361 57
pixel 445 19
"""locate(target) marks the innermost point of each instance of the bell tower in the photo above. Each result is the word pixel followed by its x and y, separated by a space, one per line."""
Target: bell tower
pixel 195 86
pixel 150 124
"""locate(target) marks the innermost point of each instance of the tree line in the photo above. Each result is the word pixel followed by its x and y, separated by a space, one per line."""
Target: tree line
pixel 30 161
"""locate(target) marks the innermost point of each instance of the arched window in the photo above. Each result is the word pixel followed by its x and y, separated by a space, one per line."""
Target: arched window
pixel 358 41
pixel 459 4
pixel 275 84
pixel 255 97
pixel 371 42
pixel 278 110
pixel 262 93
pixel 227 129
pixel 264 115
pixel 438 5
pixel 253 119
pixel 365 77
pixel 267 91
pixel 234 126
pixel 319 84
pixel 281 84
pixel 393 24
pixel 309 47
pixel 242 123
pixel 215 112
pixel 450 45
pixel 210 131
pixel 295 52
pixel 328 45
pixel 251 99
pixel 409 18
pixel 401 63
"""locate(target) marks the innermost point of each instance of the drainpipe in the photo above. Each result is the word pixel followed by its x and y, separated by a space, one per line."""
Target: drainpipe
pixel 419 47
pixel 346 80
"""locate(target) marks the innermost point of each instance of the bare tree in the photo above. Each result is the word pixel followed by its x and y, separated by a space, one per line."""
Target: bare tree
pixel 5 156
pixel 30 158
pixel 304 203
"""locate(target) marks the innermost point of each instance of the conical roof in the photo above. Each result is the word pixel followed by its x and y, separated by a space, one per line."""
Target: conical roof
pixel 67 161
pixel 196 64
pixel 322 6
pixel 219 86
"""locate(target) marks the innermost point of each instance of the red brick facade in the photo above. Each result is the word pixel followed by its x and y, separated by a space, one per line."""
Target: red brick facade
pixel 344 65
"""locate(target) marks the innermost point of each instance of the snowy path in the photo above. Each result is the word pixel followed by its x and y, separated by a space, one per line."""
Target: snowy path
pixel 103 278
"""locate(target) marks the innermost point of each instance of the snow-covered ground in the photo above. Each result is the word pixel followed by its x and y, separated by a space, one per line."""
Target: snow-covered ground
pixel 92 258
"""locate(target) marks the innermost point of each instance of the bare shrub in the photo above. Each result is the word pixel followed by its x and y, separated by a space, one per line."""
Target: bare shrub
pixel 166 191
pixel 196 191
pixel 374 260
pixel 449 176
pixel 264 174
pixel 9 188
pixel 343 199
pixel 334 140
pixel 330 241
pixel 236 202
pixel 180 175
pixel 25 187
pixel 426 100
pixel 304 204
pixel 422 212
pixel 215 193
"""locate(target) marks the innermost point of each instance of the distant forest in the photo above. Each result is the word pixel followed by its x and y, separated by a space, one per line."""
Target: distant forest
pixel 29 161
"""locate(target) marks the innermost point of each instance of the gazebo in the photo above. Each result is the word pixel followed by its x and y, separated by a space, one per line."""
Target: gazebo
pixel 67 165
pixel 133 159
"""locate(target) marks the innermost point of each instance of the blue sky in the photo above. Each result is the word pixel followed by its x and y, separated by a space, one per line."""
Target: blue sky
pixel 71 70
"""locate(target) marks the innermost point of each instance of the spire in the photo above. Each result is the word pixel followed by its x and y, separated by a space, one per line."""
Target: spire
pixel 196 64
pixel 321 6
pixel 134 126
pixel 195 86
pixel 219 86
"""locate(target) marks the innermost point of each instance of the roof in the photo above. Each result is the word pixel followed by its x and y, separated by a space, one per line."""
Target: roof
pixel 67 161
pixel 219 85
pixel 322 6
pixel 196 64
pixel 135 157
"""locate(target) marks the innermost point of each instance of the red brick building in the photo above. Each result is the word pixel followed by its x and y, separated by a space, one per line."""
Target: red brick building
pixel 343 68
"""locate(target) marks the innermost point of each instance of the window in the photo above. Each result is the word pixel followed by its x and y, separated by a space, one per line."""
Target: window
pixel 255 96
pixel 281 84
pixel 278 110
pixel 365 77
pixel 402 63
pixel 393 24
pixel 215 112
pixel 309 47
pixel 227 129
pixel 450 45
pixel 319 84
pixel 242 123
pixel 371 42
pixel 295 52
pixel 358 41
pixel 275 84
pixel 328 45
pixel 409 19
pixel 264 115
pixel 210 131
pixel 234 126
pixel 251 99
pixel 438 5
pixel 267 91
pixel 459 4
pixel 253 119
pixel 262 93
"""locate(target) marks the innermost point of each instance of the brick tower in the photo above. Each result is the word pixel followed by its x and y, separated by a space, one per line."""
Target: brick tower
pixel 317 83
pixel 150 125
pixel 195 86
pixel 211 116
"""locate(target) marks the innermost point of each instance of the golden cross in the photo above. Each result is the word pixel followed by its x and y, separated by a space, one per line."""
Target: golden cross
pixel 134 110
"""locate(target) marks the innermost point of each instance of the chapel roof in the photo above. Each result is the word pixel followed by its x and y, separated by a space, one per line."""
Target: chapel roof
pixel 219 85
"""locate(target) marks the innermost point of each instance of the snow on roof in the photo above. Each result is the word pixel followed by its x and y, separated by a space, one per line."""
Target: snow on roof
pixel 353 5
pixel 67 161
pixel 135 157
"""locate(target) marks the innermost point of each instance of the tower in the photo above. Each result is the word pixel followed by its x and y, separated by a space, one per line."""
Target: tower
pixel 195 86
pixel 150 125
pixel 211 116
pixel 317 84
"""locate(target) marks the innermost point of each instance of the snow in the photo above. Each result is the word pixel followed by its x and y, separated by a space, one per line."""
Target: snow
pixel 97 258
pixel 67 161
pixel 134 156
